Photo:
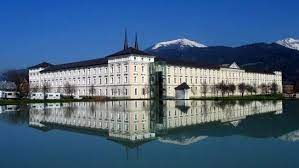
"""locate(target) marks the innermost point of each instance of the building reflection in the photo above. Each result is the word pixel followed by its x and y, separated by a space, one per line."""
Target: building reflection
pixel 118 120
pixel 132 123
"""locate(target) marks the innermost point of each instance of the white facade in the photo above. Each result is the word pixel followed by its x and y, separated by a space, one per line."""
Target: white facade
pixel 121 77
pixel 128 76
pixel 197 77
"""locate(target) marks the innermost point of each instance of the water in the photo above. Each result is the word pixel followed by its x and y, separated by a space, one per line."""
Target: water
pixel 151 134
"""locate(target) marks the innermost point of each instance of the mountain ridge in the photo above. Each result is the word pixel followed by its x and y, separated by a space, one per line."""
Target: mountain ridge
pixel 255 56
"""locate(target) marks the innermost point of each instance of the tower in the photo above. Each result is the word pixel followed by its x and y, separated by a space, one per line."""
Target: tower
pixel 126 46
pixel 136 42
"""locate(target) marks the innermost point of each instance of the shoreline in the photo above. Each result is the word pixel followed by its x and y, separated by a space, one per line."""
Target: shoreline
pixel 249 98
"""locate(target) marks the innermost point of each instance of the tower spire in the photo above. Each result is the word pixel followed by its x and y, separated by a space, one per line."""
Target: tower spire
pixel 136 42
pixel 126 41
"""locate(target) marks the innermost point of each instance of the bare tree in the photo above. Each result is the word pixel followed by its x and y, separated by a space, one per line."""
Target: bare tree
pixel 34 88
pixel 24 88
pixel 223 88
pixel 231 88
pixel 264 88
pixel 242 88
pixel 254 89
pixel 92 90
pixel 59 90
pixel 146 90
pixel 274 88
pixel 45 89
pixel 69 89
pixel 249 89
pixel 204 89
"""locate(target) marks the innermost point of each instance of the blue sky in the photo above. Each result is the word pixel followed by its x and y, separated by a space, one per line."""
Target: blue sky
pixel 59 31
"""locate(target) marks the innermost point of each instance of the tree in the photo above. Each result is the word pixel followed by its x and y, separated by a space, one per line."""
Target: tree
pixel 204 89
pixel 242 88
pixel 24 88
pixel 223 88
pixel 254 89
pixel 249 89
pixel 45 89
pixel 34 88
pixel 231 88
pixel 264 88
pixel 69 89
pixel 92 90
pixel 215 90
pixel 146 90
pixel 274 88
pixel 18 77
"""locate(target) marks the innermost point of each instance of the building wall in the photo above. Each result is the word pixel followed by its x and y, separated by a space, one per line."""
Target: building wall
pixel 123 77
pixel 197 77
pixel 128 77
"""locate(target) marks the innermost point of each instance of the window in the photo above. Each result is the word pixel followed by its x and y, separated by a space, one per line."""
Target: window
pixel 143 91
pixel 135 79
pixel 136 91
pixel 112 69
pixel 142 69
pixel 135 68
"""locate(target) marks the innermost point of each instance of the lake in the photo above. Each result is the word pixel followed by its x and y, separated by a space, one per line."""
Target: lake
pixel 150 134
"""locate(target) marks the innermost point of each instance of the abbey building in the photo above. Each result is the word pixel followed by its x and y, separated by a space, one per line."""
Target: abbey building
pixel 135 74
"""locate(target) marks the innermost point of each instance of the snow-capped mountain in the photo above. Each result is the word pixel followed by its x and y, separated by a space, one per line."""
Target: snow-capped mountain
pixel 177 44
pixel 289 43
pixel 292 136
pixel 182 140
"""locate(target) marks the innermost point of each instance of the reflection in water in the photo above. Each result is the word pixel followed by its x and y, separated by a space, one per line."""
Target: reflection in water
pixel 133 123
pixel 14 114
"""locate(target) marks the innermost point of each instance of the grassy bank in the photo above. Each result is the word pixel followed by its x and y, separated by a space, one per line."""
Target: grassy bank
pixel 247 97
pixel 28 101
pixel 251 97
